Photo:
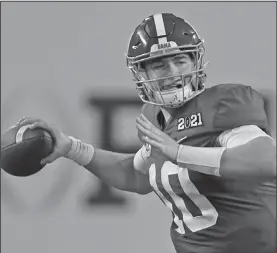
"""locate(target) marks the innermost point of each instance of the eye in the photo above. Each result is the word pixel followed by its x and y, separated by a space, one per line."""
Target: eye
pixel 158 66
pixel 181 61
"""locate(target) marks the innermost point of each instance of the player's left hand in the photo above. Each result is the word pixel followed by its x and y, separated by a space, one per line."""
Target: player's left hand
pixel 157 139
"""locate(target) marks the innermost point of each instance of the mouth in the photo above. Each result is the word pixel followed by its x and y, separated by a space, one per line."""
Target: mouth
pixel 173 86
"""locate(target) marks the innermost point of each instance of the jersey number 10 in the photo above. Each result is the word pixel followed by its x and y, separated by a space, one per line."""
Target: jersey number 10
pixel 194 223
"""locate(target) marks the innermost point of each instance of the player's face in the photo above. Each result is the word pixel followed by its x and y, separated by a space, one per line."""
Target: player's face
pixel 169 66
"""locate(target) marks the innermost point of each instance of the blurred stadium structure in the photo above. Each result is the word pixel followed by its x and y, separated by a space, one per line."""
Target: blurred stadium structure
pixel 60 65
pixel 117 134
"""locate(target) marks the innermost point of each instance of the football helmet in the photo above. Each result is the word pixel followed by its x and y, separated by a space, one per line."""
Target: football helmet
pixel 163 35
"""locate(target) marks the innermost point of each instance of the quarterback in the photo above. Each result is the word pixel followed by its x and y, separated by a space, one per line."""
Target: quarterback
pixel 207 153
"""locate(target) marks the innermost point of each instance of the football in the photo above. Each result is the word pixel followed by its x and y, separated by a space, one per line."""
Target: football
pixel 23 148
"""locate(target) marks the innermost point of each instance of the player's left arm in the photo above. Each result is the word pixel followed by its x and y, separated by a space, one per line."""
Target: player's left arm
pixel 249 152
pixel 245 152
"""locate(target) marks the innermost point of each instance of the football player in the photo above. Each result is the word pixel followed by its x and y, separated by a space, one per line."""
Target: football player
pixel 206 153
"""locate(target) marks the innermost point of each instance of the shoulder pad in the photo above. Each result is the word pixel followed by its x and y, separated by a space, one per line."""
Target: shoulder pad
pixel 238 105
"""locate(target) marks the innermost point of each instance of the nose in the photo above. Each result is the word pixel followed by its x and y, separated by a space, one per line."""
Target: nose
pixel 172 74
pixel 173 71
pixel 173 68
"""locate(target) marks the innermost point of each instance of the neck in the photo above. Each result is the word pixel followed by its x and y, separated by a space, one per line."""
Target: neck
pixel 167 112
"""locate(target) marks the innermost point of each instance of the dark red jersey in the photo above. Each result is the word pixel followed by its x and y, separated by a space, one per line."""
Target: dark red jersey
pixel 214 214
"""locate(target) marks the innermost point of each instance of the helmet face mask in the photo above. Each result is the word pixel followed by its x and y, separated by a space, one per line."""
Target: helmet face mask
pixel 179 39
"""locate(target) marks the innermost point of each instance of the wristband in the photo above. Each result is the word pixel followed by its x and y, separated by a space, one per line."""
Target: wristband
pixel 140 159
pixel 80 152
pixel 201 159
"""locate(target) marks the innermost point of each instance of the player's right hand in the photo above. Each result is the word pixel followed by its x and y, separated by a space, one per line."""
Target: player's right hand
pixel 62 143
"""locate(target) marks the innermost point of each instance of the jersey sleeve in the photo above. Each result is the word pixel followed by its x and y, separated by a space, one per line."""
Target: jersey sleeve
pixel 239 136
pixel 240 105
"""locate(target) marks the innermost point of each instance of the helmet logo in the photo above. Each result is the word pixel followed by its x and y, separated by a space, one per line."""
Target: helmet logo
pixel 164 45
pixel 159 48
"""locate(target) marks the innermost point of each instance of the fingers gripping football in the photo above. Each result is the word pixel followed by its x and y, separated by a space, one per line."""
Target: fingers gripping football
pixel 61 142
pixel 28 120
